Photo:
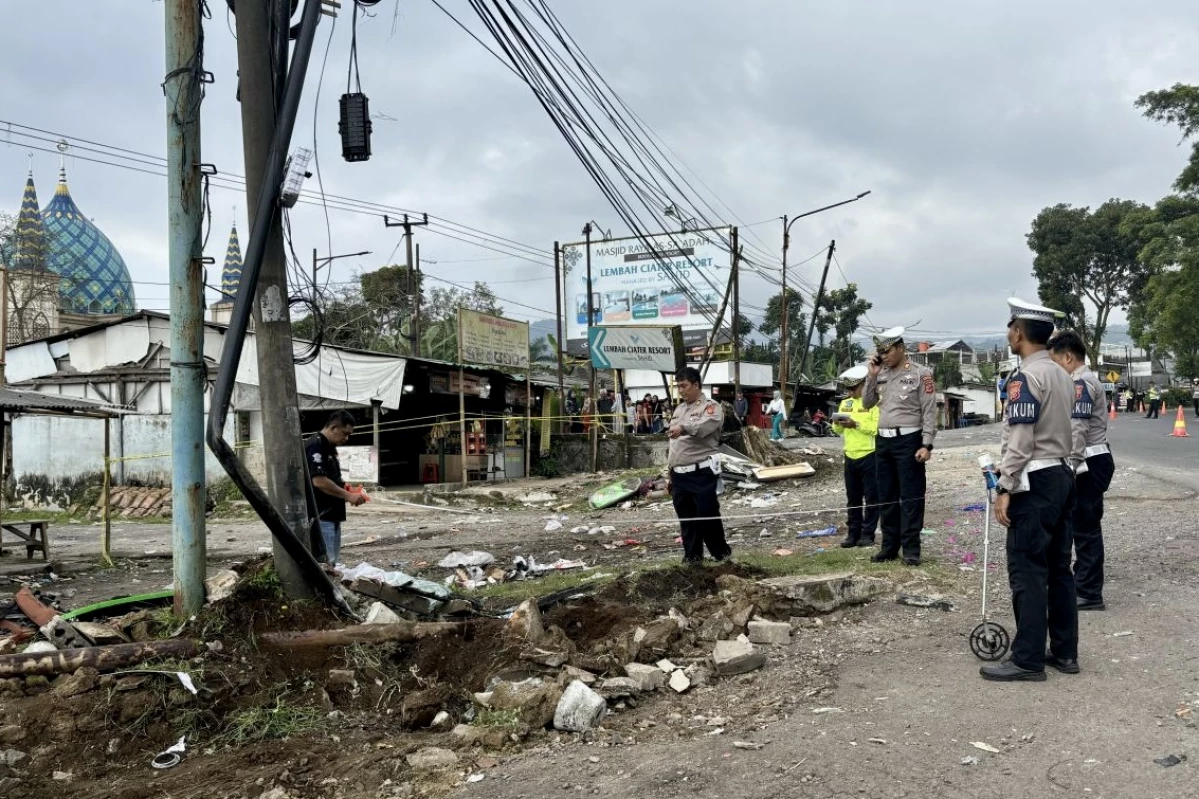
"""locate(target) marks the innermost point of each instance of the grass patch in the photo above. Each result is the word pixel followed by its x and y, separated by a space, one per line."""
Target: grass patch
pixel 281 720
pixel 267 580
pixel 506 719
pixel 520 590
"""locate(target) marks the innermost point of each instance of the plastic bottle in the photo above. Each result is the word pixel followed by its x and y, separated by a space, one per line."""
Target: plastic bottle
pixel 990 473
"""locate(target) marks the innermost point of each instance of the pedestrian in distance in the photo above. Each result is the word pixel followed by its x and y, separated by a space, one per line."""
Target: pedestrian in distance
pixel 906 397
pixel 858 426
pixel 1154 397
pixel 777 410
pixel 1035 502
pixel 1093 466
pixel 693 469
pixel 324 469
pixel 1195 395
pixel 741 408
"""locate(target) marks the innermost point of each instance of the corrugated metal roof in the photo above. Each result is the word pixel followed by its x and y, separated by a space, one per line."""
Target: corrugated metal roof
pixel 14 401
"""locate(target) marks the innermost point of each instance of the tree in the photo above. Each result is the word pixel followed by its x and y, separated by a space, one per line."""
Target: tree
pixel 797 328
pixel 947 372
pixel 1082 256
pixel 1178 105
pixel 841 310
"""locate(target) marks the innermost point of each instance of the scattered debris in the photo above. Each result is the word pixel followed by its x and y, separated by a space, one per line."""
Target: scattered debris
pixel 10 757
pixel 579 709
pixel 666 666
pixel 737 657
pixel 381 614
pixel 472 558
pixel 821 533
pixel 553 524
pixel 432 757
pixel 1169 760
pixel 1122 634
pixel 647 678
pixel 783 553
pixel 877 740
pixel 171 756
pixel 935 602
pixel 775 633
pixel 680 682
pixel 969 760
pixel 747 745
pixel 820 710
pixel 986 747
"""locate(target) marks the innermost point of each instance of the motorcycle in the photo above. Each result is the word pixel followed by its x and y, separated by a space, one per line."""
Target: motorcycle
pixel 819 429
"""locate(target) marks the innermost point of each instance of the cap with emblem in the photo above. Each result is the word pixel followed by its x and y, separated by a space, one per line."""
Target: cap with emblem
pixel 853 375
pixel 1037 313
pixel 888 338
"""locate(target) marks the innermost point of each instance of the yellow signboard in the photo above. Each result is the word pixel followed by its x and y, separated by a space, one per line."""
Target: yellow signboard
pixel 1112 376
pixel 493 340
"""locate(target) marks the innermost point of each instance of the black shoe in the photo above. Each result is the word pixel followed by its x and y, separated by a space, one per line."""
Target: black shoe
pixel 1064 665
pixel 881 557
pixel 911 561
pixel 849 543
pixel 1091 604
pixel 866 542
pixel 1007 671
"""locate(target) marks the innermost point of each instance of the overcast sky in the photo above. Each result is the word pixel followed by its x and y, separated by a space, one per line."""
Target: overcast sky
pixel 963 119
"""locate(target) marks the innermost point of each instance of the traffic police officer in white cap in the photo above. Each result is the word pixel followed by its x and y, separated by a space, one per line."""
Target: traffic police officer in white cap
pixel 1036 502
pixel 1093 466
pixel 907 400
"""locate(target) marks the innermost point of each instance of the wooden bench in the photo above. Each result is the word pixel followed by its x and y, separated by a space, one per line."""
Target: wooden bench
pixel 33 535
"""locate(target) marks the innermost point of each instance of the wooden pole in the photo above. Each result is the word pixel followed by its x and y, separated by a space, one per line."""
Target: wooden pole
pixel 528 418
pixel 361 634
pixel 461 402
pixel 375 406
pixel 101 658
pixel 736 316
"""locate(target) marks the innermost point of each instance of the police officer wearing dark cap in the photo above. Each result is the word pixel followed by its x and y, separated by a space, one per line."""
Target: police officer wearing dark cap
pixel 907 401
pixel 1035 502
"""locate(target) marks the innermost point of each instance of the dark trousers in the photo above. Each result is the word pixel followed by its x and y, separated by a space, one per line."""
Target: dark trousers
pixel 901 489
pixel 1038 566
pixel 1197 406
pixel 1154 407
pixel 1088 527
pixel 861 486
pixel 694 495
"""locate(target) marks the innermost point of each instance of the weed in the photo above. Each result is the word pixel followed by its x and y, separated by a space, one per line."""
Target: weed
pixel 519 590
pixel 281 720
pixel 498 718
pixel 267 580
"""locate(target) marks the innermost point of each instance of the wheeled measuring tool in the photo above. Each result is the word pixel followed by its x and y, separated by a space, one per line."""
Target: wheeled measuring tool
pixel 988 641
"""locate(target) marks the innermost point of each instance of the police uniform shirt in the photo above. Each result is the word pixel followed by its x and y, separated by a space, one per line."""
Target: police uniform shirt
pixel 1089 417
pixel 1036 421
pixel 702 422
pixel 323 462
pixel 907 397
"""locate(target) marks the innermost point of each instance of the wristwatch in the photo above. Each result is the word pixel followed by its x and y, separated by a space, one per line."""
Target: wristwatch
pixel 1001 490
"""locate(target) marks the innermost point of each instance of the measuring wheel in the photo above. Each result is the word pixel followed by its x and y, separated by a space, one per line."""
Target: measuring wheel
pixel 989 641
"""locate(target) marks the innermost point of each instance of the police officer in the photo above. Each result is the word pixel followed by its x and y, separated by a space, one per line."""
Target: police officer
pixel 1035 501
pixel 694 469
pixel 907 400
pixel 859 428
pixel 1093 466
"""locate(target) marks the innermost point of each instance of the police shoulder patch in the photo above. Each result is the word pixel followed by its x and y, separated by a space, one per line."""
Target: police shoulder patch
pixel 929 386
pixel 1084 403
pixel 1023 407
pixel 710 410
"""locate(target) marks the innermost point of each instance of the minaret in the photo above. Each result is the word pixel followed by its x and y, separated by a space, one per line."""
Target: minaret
pixel 222 310
pixel 29 235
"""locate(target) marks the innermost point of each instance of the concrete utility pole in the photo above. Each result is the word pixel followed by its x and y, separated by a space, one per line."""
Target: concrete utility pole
pixel 183 87
pixel 593 431
pixel 262 64
pixel 807 344
pixel 736 248
pixel 560 340
pixel 407 225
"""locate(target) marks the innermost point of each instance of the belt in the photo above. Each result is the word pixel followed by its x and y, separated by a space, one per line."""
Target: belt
pixel 1044 463
pixel 895 432
pixel 1098 449
pixel 707 463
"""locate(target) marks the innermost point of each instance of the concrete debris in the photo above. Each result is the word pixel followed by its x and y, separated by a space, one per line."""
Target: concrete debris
pixel 381 614
pixel 986 747
pixel 582 675
pixel 737 657
pixel 617 687
pixel 580 709
pixel 679 618
pixel 342 678
pixel 472 558
pixel 537 496
pixel 526 623
pixel 62 776
pixel 657 636
pixel 666 666
pixel 970 760
pixel 648 678
pixel 432 757
pixel 487 737
pixel 747 745
pixel 10 757
pixel 101 634
pixel 810 595
pixel 534 700
pixel 716 627
pixel 679 682
pixel 935 602
pixel 220 585
pixel 441 721
pixel 774 633
pixel 63 634
pixel 40 646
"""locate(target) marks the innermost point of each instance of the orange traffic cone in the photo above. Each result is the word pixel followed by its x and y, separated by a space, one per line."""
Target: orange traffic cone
pixel 1111 410
pixel 1142 408
pixel 1180 426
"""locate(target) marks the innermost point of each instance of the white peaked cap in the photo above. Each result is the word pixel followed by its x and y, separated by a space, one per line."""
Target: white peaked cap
pixel 1038 313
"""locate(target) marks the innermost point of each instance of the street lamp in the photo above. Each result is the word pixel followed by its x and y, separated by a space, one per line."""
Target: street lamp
pixel 787 223
pixel 318 262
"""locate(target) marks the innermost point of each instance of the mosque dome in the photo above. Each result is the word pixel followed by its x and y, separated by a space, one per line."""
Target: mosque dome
pixel 95 278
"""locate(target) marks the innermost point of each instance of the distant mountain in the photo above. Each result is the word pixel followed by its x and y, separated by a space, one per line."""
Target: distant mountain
pixel 542 328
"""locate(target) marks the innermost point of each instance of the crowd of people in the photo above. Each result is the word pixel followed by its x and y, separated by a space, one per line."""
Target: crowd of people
pixel 614 412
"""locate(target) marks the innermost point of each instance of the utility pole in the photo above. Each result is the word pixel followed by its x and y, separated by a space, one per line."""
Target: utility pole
pixel 803 362
pixel 262 65
pixel 558 311
pixel 407 225
pixel 783 345
pixel 183 87
pixel 736 313
pixel 416 298
pixel 593 393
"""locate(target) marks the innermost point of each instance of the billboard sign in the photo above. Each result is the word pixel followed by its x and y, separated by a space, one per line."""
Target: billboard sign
pixel 659 349
pixel 1142 369
pixel 671 279
pixel 493 340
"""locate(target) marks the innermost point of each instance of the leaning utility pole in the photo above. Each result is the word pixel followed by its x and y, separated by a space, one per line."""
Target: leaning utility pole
pixel 736 248
pixel 828 259
pixel 407 225
pixel 262 64
pixel 183 87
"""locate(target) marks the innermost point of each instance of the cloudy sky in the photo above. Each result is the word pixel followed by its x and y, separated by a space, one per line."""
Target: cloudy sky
pixel 963 119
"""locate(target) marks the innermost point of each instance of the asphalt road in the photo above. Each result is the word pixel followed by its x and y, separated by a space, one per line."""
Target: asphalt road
pixel 1147 443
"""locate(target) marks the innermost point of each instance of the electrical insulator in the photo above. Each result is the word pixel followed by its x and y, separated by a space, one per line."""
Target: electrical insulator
pixel 355 127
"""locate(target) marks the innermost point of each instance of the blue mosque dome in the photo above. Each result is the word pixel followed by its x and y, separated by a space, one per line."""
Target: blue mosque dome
pixel 95 278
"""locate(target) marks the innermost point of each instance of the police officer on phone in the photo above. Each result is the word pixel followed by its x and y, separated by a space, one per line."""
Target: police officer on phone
pixel 1035 502
pixel 907 401
pixel 1093 466
pixel 693 472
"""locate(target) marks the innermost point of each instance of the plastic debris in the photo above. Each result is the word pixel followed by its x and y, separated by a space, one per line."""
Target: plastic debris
pixel 476 777
pixel 821 710
pixel 1169 760
pixel 747 744
pixel 969 760
pixel 976 508
pixel 171 756
pixel 782 553
pixel 552 524
pixel 472 558
pixel 1122 634
pixel 827 531
pixel 986 747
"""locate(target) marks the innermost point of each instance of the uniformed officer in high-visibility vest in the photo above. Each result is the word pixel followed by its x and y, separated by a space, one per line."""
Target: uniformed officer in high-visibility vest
pixel 1093 466
pixel 1035 501
pixel 858 425
pixel 694 469
pixel 907 400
